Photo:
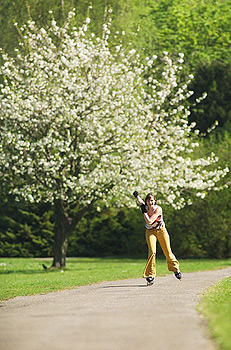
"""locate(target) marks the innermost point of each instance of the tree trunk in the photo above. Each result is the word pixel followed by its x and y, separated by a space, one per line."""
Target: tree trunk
pixel 62 229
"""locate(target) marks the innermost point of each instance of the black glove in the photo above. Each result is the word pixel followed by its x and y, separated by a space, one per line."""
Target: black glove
pixel 135 194
pixel 143 208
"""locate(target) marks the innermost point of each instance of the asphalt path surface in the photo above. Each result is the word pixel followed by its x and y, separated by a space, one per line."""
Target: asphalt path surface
pixel 117 315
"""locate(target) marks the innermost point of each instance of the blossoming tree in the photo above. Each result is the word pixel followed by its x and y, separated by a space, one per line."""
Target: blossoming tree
pixel 80 123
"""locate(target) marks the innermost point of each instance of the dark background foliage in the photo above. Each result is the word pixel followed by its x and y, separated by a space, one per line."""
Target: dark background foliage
pixel 199 29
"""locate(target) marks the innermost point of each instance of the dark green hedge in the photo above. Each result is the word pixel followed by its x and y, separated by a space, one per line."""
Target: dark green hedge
pixel 204 228
pixel 200 230
pixel 25 230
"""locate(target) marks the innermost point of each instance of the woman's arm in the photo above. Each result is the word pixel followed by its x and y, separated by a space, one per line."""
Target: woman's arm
pixel 151 219
pixel 140 200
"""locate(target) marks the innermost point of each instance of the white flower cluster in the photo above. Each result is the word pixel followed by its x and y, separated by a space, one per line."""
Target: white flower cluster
pixel 80 122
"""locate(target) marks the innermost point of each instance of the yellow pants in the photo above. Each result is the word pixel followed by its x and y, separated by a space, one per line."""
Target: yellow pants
pixel 164 240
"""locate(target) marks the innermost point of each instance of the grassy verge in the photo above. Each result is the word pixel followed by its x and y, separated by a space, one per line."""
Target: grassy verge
pixel 26 276
pixel 216 307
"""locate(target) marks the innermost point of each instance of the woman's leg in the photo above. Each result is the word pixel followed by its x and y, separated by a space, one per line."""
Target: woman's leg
pixel 163 238
pixel 150 269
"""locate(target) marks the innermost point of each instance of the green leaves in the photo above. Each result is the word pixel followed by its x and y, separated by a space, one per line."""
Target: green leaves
pixel 25 230
pixel 215 79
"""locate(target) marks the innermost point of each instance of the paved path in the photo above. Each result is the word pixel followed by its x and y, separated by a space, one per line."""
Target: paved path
pixel 121 315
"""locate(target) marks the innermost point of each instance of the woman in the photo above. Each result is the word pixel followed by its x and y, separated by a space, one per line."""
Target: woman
pixel 155 229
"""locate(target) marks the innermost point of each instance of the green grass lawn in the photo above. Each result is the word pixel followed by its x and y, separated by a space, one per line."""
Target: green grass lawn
pixel 26 276
pixel 216 307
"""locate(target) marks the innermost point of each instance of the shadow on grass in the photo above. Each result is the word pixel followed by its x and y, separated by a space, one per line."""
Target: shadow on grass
pixel 39 271
pixel 26 272
pixel 83 264
pixel 73 264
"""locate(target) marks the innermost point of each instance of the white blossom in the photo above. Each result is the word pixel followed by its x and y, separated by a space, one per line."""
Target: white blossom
pixel 80 122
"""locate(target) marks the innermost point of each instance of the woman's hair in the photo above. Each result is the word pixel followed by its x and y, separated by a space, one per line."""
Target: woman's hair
pixel 149 195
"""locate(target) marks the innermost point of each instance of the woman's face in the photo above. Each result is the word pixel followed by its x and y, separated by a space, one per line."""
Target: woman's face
pixel 151 202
